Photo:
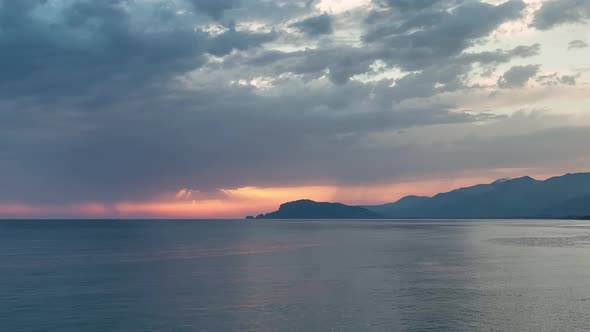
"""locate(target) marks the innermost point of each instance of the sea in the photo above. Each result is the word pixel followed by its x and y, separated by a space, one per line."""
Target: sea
pixel 300 275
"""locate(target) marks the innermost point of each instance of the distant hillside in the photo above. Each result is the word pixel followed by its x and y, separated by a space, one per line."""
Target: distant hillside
pixel 563 196
pixel 577 207
pixel 566 196
pixel 307 209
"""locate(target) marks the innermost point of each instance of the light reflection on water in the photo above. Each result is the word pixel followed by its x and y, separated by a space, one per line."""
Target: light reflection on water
pixel 294 276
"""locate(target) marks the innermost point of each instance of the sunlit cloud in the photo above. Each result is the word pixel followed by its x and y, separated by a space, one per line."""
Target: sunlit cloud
pixel 339 6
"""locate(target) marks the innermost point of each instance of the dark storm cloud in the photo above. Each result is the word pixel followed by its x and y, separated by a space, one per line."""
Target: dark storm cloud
pixel 339 62
pixel 413 41
pixel 316 25
pixel 501 56
pixel 517 76
pixel 453 74
pixel 411 5
pixel 423 37
pixel 93 47
pixel 268 11
pixel 557 12
pixel 142 146
pixel 231 39
pixel 214 8
pixel 576 44
pixel 123 100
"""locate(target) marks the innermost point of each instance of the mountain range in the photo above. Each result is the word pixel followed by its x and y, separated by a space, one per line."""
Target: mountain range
pixel 566 196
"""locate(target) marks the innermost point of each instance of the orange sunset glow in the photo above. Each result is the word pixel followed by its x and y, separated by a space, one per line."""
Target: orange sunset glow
pixel 237 203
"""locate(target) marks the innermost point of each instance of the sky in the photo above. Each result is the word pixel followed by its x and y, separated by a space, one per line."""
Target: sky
pixel 224 108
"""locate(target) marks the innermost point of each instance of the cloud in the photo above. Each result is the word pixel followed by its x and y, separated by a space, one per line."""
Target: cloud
pixel 99 47
pixel 517 76
pixel 122 101
pixel 568 79
pixel 556 12
pixel 453 75
pixel 555 78
pixel 410 5
pixel 136 148
pixel 501 56
pixel 576 44
pixel 412 41
pixel 214 8
pixel 420 38
pixel 316 25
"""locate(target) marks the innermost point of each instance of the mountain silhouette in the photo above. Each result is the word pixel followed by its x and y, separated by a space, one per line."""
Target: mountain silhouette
pixel 566 196
pixel 525 197
pixel 308 209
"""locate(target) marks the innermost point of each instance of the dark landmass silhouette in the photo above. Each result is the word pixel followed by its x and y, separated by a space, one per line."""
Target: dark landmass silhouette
pixel 308 209
pixel 525 197
pixel 566 196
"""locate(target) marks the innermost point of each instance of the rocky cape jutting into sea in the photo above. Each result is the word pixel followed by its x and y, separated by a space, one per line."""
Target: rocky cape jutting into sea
pixel 566 196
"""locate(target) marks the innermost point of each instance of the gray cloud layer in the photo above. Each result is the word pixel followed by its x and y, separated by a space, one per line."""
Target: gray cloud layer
pixel 123 100
pixel 214 8
pixel 316 25
pixel 557 12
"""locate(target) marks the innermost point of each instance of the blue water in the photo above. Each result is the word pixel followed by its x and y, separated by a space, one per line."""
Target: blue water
pixel 294 276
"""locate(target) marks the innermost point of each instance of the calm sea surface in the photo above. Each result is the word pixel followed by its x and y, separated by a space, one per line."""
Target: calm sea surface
pixel 507 275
